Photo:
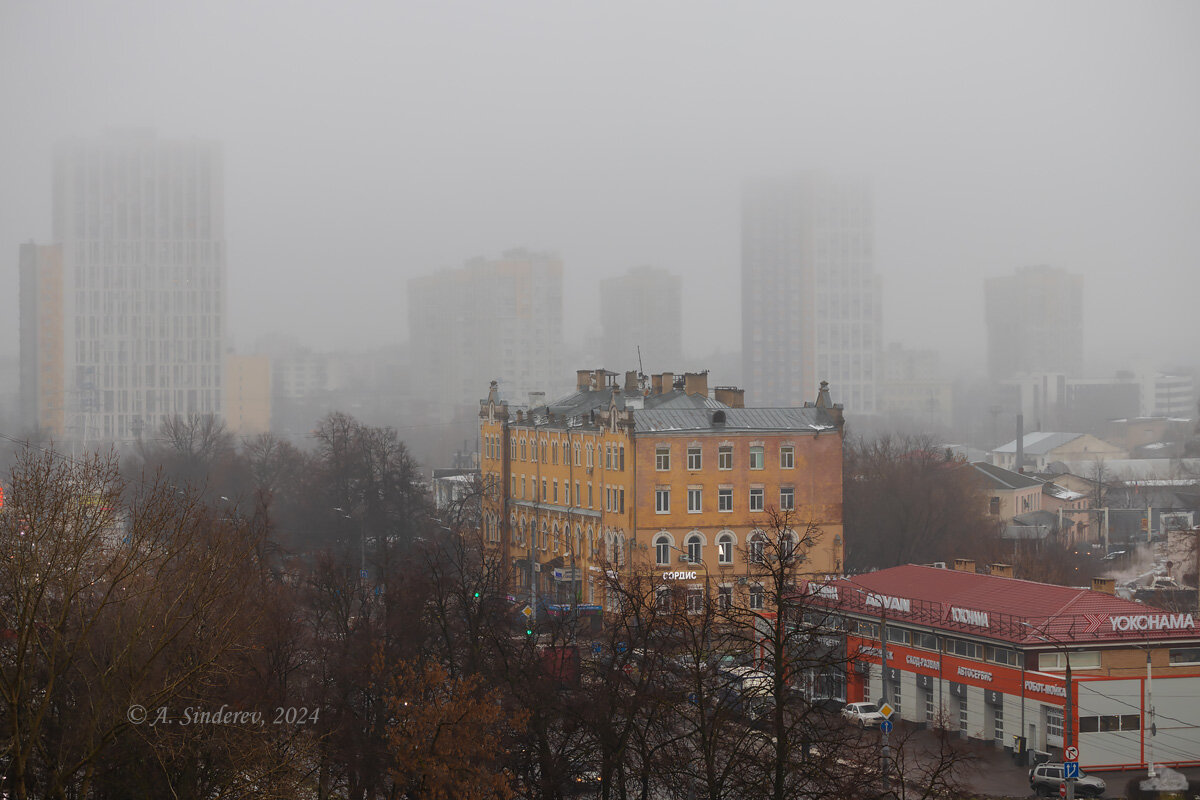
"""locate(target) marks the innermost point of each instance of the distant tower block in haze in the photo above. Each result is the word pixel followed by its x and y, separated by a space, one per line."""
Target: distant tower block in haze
pixel 1035 323
pixel 811 307
pixel 492 317
pixel 42 330
pixel 643 307
pixel 141 223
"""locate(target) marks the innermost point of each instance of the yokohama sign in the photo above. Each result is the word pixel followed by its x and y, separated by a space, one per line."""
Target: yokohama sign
pixel 1121 623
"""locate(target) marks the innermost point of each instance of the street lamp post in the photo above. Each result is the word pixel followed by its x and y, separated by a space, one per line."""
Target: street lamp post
pixel 1068 707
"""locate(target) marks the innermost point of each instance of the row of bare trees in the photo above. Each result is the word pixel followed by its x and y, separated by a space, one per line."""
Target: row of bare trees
pixel 150 610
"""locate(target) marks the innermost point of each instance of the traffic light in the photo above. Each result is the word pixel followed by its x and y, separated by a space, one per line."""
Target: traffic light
pixel 529 631
pixel 477 595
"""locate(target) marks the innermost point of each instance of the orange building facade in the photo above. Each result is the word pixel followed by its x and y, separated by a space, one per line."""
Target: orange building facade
pixel 655 478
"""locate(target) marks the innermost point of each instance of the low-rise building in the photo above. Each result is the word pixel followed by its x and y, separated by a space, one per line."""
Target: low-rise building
pixel 996 659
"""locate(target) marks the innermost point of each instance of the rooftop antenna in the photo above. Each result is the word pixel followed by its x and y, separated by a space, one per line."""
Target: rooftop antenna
pixel 640 370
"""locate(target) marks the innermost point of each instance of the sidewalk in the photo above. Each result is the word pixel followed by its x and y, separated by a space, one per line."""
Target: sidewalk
pixel 993 773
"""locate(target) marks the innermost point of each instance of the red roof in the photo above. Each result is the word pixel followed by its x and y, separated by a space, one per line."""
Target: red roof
pixel 1019 611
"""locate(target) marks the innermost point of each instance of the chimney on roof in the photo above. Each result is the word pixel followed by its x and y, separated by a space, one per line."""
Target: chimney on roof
pixel 1019 464
pixel 964 565
pixel 696 383
pixel 825 401
pixel 1002 570
pixel 631 381
pixel 730 396
pixel 656 384
pixel 1106 585
pixel 536 399
pixel 668 381
pixel 583 377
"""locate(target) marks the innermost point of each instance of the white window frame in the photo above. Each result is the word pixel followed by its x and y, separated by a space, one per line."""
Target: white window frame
pixel 757 600
pixel 662 500
pixel 662 458
pixel 787 457
pixel 695 458
pixel 757 457
pixel 694 544
pixel 725 548
pixel 695 500
pixel 787 498
pixel 725 499
pixel 759 493
pixel 725 457
pixel 662 550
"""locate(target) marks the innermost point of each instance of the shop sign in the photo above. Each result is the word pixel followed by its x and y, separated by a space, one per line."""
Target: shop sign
pixel 889 603
pixel 1121 623
pixel 823 590
pixel 969 616
pixel 920 661
pixel 975 674
pixel 1045 688
pixel 679 576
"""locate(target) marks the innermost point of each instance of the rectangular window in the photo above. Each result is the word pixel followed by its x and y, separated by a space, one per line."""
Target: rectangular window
pixel 589 494
pixel 543 490
pixel 787 457
pixel 925 641
pixel 725 457
pixel 621 500
pixel 1003 655
pixel 1183 655
pixel 621 458
pixel 522 486
pixel 578 496
pixel 566 493
pixel 608 456
pixel 961 647
pixel 556 491
pixel 963 715
pixel 998 723
pixel 662 458
pixel 725 498
pixel 554 453
pixel 929 707
pixel 898 635
pixel 756 499
pixel 724 598
pixel 694 459
pixel 994 506
pixel 694 506
pixel 695 600
pixel 787 498
pixel 1054 721
pixel 756 457
pixel 591 455
pixel 1056 661
pixel 662 501
pixel 756 597
pixel 896 698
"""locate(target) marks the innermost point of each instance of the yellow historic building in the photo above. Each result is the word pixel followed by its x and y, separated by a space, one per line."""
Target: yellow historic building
pixel 657 478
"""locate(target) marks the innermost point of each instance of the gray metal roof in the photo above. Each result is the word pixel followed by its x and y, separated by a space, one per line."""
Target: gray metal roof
pixel 805 420
pixel 1039 443
pixel 1005 478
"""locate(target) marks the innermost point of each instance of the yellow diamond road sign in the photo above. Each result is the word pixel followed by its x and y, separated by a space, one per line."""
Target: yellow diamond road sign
pixel 527 611
pixel 886 710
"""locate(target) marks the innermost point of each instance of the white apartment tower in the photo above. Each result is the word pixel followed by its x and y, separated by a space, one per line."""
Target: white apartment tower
pixel 642 309
pixel 811 307
pixel 492 319
pixel 141 223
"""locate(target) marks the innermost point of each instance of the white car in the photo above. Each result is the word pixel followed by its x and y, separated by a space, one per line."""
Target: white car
pixel 865 714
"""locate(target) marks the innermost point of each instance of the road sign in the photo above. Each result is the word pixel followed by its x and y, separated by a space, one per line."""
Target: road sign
pixel 1071 753
pixel 886 726
pixel 1062 789
pixel 886 710
pixel 1071 770
pixel 527 611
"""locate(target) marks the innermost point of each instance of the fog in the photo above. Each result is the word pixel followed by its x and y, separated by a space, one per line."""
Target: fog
pixel 366 143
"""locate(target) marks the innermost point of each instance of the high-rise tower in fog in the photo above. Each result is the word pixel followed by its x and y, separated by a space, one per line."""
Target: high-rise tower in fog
pixel 811 308
pixel 642 308
pixel 1035 323
pixel 140 221
pixel 492 319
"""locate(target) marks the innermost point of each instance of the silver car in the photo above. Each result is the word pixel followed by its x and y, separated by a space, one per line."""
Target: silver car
pixel 865 714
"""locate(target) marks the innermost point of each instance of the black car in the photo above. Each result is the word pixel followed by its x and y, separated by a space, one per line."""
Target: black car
pixel 1044 780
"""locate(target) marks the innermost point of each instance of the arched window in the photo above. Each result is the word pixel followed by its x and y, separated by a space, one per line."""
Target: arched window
pixel 556 537
pixel 662 550
pixel 543 540
pixel 787 544
pixel 591 534
pixel 725 548
pixel 755 549
pixel 694 548
pixel 619 547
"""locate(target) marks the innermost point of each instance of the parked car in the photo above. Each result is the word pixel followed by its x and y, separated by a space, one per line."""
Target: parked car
pixel 1044 780
pixel 866 715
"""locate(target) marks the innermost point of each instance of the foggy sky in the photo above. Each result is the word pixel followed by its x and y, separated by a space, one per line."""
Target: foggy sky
pixel 366 143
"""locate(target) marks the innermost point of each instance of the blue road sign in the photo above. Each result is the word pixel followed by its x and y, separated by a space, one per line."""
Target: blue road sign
pixel 1070 769
pixel 887 725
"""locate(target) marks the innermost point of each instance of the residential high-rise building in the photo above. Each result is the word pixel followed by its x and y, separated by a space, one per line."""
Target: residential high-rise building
pixel 642 311
pixel 810 297
pixel 42 346
pixel 141 224
pixel 492 319
pixel 1035 323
